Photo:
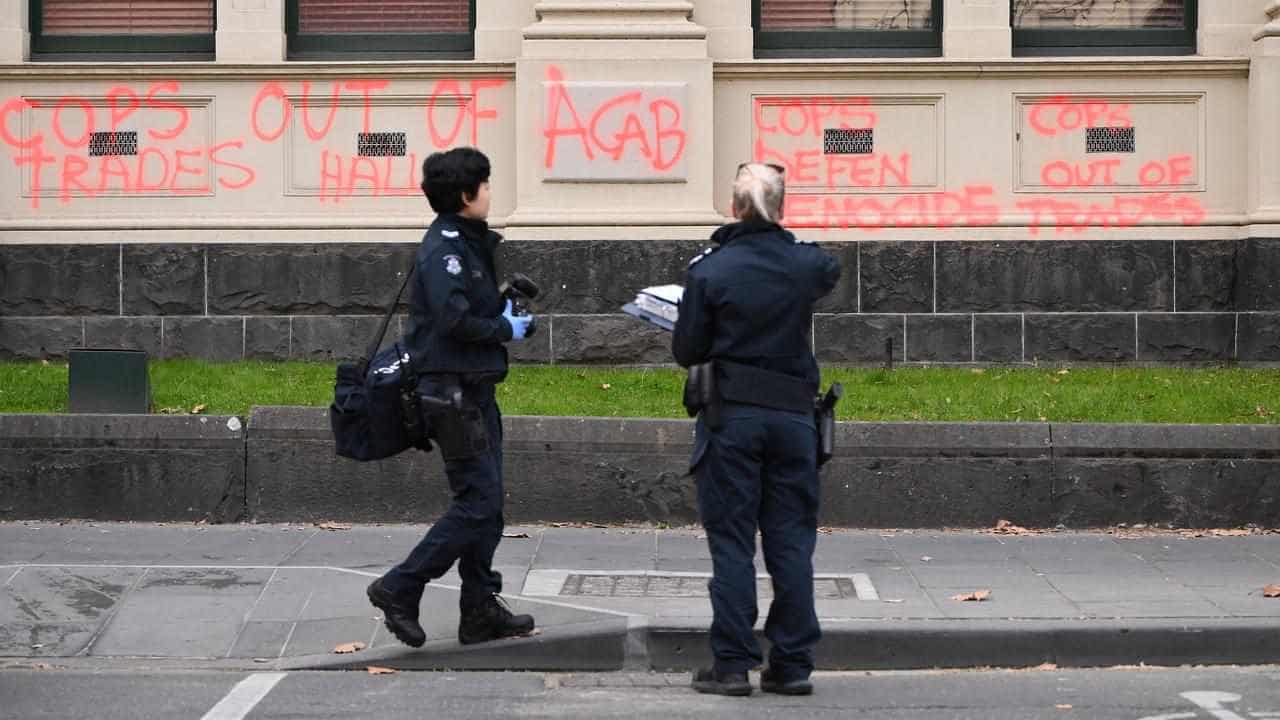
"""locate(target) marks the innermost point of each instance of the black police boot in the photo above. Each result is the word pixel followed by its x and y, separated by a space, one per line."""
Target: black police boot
pixel 400 618
pixel 491 619
pixel 771 684
pixel 714 683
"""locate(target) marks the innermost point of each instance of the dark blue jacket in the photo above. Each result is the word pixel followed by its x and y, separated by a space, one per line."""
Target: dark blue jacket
pixel 750 300
pixel 455 312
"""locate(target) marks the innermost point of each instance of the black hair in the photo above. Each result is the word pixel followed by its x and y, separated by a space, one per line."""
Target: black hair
pixel 447 175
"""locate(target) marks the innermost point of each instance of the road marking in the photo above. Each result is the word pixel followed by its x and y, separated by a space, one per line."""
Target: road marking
pixel 1213 701
pixel 244 696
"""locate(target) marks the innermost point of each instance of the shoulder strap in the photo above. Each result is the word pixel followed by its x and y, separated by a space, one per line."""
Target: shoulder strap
pixel 391 311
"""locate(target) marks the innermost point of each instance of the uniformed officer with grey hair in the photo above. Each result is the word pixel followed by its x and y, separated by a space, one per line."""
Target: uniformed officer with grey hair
pixel 748 309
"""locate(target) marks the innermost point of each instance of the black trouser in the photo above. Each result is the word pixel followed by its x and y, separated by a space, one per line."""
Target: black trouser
pixel 470 530
pixel 760 472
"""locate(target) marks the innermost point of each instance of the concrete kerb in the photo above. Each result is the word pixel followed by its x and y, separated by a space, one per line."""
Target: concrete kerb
pixel 674 646
pixel 280 466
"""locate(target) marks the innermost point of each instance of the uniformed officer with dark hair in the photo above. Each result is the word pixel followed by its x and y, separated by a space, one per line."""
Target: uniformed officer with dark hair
pixel 457 326
pixel 748 308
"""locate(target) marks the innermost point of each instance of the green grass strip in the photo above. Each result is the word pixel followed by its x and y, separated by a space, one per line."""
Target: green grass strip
pixel 1154 395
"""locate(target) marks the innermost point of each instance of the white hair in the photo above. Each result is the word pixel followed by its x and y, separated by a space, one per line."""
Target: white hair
pixel 757 193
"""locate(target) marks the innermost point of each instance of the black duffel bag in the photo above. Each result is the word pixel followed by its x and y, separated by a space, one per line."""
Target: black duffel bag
pixel 375 412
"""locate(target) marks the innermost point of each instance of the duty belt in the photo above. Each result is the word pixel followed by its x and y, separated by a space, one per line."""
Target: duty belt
pixel 752 385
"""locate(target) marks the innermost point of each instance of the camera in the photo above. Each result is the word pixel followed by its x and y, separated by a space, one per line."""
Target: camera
pixel 520 290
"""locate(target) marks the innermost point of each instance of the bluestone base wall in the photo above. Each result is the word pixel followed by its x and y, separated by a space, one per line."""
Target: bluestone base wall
pixel 1053 301
pixel 282 468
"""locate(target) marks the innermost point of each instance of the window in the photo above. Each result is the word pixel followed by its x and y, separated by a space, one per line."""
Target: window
pixel 172 27
pixel 373 28
pixel 847 28
pixel 1104 27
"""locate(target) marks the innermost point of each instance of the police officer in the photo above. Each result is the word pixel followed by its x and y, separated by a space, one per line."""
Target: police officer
pixel 748 308
pixel 457 326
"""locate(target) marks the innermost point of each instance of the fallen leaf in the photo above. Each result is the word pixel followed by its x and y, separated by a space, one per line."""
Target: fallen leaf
pixel 1046 666
pixel 1064 372
pixel 42 666
pixel 1271 591
pixel 1063 706
pixel 1230 533
pixel 333 526
pixel 1262 411
pixel 978 596
pixel 348 648
pixel 977 371
pixel 515 535
pixel 605 386
pixel 375 670
pixel 198 409
pixel 825 530
pixel 1004 527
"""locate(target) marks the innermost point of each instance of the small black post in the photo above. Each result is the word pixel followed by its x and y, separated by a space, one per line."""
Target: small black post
pixel 888 353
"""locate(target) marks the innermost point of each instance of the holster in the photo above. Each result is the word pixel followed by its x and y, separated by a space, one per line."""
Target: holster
pixel 824 416
pixel 701 394
pixel 826 422
pixel 456 423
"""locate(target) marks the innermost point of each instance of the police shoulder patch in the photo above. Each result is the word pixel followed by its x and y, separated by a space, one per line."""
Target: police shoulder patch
pixel 449 233
pixel 453 264
pixel 700 256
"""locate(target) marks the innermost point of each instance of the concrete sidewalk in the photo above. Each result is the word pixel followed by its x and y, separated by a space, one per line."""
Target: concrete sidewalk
pixel 263 596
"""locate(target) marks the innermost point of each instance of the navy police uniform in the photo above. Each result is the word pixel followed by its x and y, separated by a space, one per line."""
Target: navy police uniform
pixel 456 335
pixel 748 306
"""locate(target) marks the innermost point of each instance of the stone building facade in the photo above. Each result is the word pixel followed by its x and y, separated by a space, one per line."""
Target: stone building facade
pixel 1005 181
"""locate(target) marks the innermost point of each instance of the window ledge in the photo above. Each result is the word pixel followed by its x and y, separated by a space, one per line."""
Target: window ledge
pixel 43 70
pixel 825 68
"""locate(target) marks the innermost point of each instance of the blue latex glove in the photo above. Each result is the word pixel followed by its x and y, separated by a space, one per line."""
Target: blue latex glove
pixel 519 323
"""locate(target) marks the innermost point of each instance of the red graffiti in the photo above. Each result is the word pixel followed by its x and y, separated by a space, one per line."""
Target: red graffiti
pixel 656 130
pixel 1123 211
pixel 340 175
pixel 1061 114
pixel 59 157
pixel 970 207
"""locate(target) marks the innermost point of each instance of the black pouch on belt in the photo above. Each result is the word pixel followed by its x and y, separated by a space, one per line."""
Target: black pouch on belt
pixel 457 423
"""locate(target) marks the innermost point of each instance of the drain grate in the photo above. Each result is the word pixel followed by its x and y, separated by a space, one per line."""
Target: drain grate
pixel 649 584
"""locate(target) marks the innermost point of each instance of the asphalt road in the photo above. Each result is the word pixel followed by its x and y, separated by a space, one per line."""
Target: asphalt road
pixel 1228 693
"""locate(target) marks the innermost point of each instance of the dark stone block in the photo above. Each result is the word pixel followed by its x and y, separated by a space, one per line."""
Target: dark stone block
pixel 536 349
pixel 1097 492
pixel 935 492
pixel 858 338
pixel 1082 338
pixel 37 339
pixel 206 338
pixel 336 338
pixel 615 339
pixel 1206 274
pixel 60 280
pixel 306 279
pixel 595 276
pixel 1259 337
pixel 1258 272
pixel 1182 338
pixel 163 280
pixel 122 467
pixel 266 338
pixel 939 338
pixel 897 277
pixel 123 334
pixel 1055 276
pixel 611 470
pixel 997 338
pixel 844 297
